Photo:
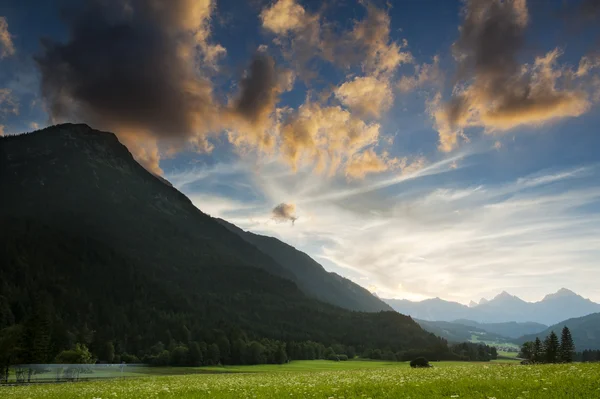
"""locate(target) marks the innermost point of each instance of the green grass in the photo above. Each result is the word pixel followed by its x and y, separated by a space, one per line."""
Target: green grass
pixel 355 379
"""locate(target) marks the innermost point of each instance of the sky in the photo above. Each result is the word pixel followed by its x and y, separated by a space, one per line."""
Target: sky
pixel 420 148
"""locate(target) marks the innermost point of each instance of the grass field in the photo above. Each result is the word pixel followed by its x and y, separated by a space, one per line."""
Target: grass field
pixel 353 379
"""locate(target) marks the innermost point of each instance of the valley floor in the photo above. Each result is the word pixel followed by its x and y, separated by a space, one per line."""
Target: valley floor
pixel 352 379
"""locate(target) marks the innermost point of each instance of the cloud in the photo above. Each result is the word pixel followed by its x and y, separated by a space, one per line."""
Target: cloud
pixel 7 48
pixel 371 37
pixel 284 213
pixel 253 109
pixel 325 136
pixel 364 163
pixel 1 130
pixel 285 16
pixel 499 93
pixel 8 103
pixel 524 233
pixel 425 74
pixel 367 95
pixel 305 36
pixel 298 33
pixel 134 68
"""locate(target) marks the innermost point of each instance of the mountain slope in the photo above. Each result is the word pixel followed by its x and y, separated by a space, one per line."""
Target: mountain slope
pixel 311 277
pixel 103 245
pixel 435 309
pixel 456 332
pixel 510 329
pixel 585 331
pixel 504 307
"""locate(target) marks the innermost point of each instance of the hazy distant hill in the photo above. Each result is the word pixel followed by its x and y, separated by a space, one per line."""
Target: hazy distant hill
pixel 456 332
pixel 585 331
pixel 563 304
pixel 100 244
pixel 311 277
pixel 510 329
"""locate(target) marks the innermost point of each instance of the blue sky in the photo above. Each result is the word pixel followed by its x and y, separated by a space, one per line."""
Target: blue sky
pixel 422 149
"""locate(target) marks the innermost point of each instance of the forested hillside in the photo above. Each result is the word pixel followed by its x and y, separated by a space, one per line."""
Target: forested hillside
pixel 585 331
pixel 100 252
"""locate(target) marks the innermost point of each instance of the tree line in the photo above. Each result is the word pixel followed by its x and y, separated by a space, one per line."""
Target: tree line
pixel 588 355
pixel 550 350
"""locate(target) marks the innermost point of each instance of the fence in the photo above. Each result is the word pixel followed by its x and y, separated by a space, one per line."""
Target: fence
pixel 35 373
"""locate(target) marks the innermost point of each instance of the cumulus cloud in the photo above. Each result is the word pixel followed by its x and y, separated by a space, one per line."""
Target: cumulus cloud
pixel 305 35
pixel 367 95
pixel 326 136
pixel 132 68
pixel 371 37
pixel 251 116
pixel 284 213
pixel 285 16
pixel 500 93
pixel 298 33
pixel 7 48
pixel 425 74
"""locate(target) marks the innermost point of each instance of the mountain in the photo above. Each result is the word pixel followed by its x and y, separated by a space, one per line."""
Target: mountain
pixel 585 331
pixel 430 309
pixel 98 250
pixel 456 332
pixel 504 307
pixel 510 329
pixel 311 277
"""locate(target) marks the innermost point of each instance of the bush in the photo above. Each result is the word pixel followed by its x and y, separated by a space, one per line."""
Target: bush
pixel 342 358
pixel 419 362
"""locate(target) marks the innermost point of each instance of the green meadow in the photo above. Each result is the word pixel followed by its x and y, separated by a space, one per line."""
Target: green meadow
pixel 328 380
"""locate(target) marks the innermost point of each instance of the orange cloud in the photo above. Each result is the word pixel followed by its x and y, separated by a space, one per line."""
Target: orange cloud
pixel 368 96
pixel 7 47
pixel 285 16
pixel 501 94
pixel 324 136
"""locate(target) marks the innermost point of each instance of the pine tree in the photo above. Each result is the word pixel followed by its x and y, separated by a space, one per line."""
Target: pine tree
pixel 551 347
pixel 567 347
pixel 538 354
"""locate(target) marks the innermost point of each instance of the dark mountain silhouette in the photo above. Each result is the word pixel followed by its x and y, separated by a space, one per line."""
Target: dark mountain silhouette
pixel 311 277
pixel 563 304
pixel 585 331
pixel 99 249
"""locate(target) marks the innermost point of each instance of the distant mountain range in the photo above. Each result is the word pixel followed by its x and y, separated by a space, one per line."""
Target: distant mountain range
pixel 554 308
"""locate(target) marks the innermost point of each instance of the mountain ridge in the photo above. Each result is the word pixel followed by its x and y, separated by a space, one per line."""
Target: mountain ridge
pixel 311 276
pixel 504 307
pixel 95 242
pixel 585 331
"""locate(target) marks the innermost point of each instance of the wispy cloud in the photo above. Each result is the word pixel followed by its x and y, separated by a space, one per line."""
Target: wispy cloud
pixel 458 243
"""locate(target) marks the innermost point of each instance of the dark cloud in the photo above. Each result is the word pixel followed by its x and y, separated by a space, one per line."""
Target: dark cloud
pixel 131 66
pixel 284 213
pixel 258 89
pixel 497 92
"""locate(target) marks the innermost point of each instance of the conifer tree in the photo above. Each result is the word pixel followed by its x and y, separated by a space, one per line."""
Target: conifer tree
pixel 538 353
pixel 551 347
pixel 567 347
